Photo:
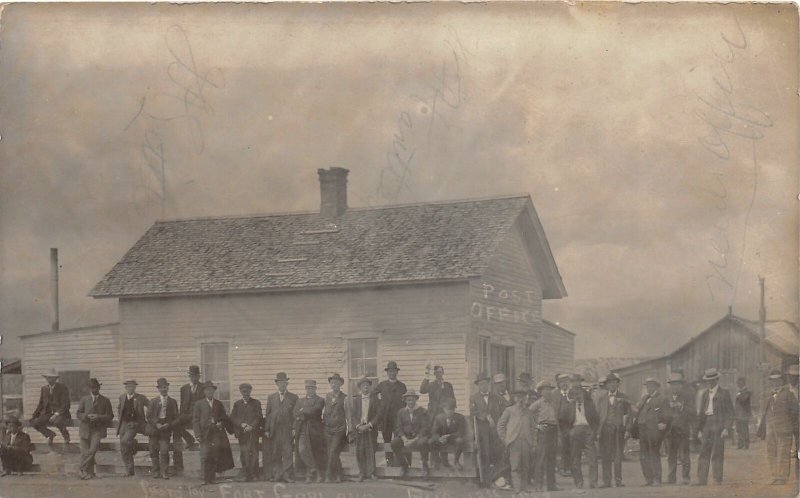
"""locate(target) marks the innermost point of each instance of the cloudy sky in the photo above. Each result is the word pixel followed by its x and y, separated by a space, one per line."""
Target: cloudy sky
pixel 658 142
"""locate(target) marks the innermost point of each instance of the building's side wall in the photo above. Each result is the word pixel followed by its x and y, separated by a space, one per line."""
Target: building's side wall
pixel 301 333
pixel 506 307
pixel 633 377
pixel 558 352
pixel 95 349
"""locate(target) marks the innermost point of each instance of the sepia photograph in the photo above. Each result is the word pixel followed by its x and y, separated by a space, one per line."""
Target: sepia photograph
pixel 412 250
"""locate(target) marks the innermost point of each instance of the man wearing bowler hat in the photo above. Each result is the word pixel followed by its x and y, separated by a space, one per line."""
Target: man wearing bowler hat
pixel 162 415
pixel 364 417
pixel 190 393
pixel 132 421
pixel 390 392
pixel 411 432
pixel 334 417
pixel 682 413
pixel 715 423
pixel 614 411
pixel 310 433
pixel 247 425
pixel 278 449
pixel 210 423
pixel 95 414
pixel 777 426
pixel 53 408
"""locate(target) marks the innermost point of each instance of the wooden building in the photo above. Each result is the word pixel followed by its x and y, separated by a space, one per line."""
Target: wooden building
pixel 459 284
pixel 731 345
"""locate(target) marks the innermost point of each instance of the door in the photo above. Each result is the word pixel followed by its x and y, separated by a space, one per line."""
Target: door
pixel 502 361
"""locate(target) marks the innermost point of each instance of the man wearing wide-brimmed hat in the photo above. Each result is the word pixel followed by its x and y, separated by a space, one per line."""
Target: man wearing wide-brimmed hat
pixel 162 416
pixel 310 432
pixel 485 408
pixel 364 416
pixel 334 417
pixel 715 422
pixel 390 392
pixel 95 413
pixel 210 422
pixel 682 413
pixel 53 408
pixel 189 394
pixel 15 449
pixel 652 418
pixel 412 432
pixel 614 410
pixel 132 421
pixel 278 450
pixel 248 424
pixel 777 426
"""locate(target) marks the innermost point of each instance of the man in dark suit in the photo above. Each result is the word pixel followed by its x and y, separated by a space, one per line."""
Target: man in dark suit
pixel 613 410
pixel 437 390
pixel 310 432
pixel 744 412
pixel 334 418
pixel 544 414
pixel 560 401
pixel 132 421
pixel 485 408
pixel 449 429
pixel 715 423
pixel 247 425
pixel 777 426
pixel 364 417
pixel 95 414
pixel 278 448
pixel 390 392
pixel 162 416
pixel 15 449
pixel 210 422
pixel 682 413
pixel 652 417
pixel 190 394
pixel 411 432
pixel 53 408
pixel 578 415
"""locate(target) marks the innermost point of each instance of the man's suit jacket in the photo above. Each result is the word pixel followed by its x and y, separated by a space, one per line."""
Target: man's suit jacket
pixel 204 417
pixel 334 415
pixel 723 407
pixel 653 410
pixel 681 412
pixel 511 423
pixel 780 413
pixel 279 416
pixel 743 408
pixel 606 411
pixel 139 404
pixel 480 409
pixel 458 426
pixel 249 414
pixel 436 394
pixel 391 396
pixel 22 441
pixel 411 427
pixel 565 410
pixel 153 410
pixel 100 407
pixel 58 403
pixel 373 413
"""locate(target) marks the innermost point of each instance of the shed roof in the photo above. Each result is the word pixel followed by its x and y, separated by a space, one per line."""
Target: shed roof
pixel 395 244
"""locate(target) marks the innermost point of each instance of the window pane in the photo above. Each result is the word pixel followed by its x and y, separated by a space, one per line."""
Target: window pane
pixel 356 349
pixel 208 354
pixel 371 368
pixel 355 369
pixel 371 348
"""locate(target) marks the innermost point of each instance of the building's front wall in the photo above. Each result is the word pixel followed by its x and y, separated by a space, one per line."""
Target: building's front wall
pixel 305 334
pixel 506 311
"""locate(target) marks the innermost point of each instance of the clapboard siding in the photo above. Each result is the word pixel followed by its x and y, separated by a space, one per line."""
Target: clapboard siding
pixel 302 333
pixel 558 351
pixel 506 304
pixel 95 349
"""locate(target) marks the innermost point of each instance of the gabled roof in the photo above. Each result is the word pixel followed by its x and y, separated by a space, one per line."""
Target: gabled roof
pixel 395 244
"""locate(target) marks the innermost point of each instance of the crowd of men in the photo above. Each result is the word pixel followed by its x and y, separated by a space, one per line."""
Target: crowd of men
pixel 520 437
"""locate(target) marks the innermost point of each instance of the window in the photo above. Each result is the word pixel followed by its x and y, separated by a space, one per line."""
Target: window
pixel 530 358
pixel 76 381
pixel 362 361
pixel 214 358
pixel 484 355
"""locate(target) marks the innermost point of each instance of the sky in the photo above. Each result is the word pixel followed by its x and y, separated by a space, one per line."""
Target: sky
pixel 659 142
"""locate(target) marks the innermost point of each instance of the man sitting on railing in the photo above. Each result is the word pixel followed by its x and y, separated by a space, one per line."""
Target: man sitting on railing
pixel 53 408
pixel 449 431
pixel 15 449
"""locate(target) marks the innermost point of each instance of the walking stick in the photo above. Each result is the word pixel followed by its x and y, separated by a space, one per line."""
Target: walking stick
pixel 479 459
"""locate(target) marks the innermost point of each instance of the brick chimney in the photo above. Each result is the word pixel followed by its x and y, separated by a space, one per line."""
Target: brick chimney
pixel 333 191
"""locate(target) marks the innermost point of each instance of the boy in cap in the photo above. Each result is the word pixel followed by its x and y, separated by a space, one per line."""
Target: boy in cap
pixel 189 394
pixel 95 414
pixel 544 456
pixel 411 432
pixel 437 390
pixel 682 413
pixel 278 422
pixel 334 417
pixel 162 416
pixel 449 429
pixel 517 429
pixel 53 408
pixel 15 449
pixel 390 392
pixel 364 416
pixel 309 431
pixel 132 421
pixel 652 417
pixel 715 423
pixel 247 425
pixel 210 423
pixel 778 423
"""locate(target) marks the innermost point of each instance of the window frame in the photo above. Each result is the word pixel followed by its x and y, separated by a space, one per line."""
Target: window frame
pixel 218 342
pixel 351 381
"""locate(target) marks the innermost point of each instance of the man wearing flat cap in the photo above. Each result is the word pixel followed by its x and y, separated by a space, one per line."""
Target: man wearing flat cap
pixel 390 392
pixel 614 411
pixel 777 426
pixel 132 421
pixel 682 413
pixel 364 416
pixel 411 432
pixel 95 414
pixel 486 408
pixel 334 418
pixel 53 408
pixel 310 432
pixel 652 418
pixel 247 426
pixel 437 390
pixel 190 393
pixel 162 417
pixel 211 425
pixel 15 449
pixel 715 423
pixel 278 449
